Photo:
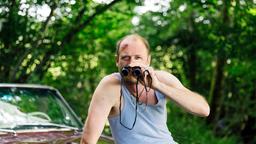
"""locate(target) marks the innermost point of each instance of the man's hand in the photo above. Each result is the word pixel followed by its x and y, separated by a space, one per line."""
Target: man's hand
pixel 148 76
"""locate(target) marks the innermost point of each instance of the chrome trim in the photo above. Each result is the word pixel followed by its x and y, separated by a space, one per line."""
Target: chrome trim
pixel 26 85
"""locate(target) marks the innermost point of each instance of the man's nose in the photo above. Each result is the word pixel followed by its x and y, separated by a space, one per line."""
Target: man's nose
pixel 133 62
pixel 130 61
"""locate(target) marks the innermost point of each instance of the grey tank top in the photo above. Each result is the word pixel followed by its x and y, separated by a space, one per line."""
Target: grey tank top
pixel 150 126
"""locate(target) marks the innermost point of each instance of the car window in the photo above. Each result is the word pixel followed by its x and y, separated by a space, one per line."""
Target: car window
pixel 26 105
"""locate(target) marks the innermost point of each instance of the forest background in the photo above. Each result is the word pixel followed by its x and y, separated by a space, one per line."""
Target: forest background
pixel 209 45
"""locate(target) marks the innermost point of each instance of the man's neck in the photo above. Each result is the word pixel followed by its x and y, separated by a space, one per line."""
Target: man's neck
pixel 145 96
pixel 132 87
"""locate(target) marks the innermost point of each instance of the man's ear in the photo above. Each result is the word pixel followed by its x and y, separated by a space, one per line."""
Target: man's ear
pixel 117 60
pixel 149 59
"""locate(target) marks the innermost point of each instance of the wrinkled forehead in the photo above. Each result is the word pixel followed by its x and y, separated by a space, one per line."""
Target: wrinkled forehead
pixel 132 43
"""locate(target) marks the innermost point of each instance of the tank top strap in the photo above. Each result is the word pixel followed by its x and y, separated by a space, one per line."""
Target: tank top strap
pixel 117 76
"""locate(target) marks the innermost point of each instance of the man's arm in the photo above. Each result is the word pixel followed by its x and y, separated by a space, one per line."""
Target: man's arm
pixel 170 86
pixel 104 98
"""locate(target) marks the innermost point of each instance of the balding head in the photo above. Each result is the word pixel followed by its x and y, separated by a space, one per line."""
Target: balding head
pixel 131 37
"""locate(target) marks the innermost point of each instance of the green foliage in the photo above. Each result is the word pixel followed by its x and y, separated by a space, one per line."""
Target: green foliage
pixel 54 110
pixel 188 129
pixel 208 45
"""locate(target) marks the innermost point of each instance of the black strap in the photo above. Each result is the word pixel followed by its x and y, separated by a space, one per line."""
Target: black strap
pixel 137 97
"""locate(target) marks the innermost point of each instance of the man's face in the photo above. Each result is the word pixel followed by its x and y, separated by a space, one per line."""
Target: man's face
pixel 132 52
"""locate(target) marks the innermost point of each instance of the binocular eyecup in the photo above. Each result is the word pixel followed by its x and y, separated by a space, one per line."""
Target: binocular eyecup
pixel 135 71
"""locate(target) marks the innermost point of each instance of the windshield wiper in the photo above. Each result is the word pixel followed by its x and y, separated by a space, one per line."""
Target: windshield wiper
pixel 8 131
pixel 43 125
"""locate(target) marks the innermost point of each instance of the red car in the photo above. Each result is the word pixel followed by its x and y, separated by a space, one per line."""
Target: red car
pixel 38 114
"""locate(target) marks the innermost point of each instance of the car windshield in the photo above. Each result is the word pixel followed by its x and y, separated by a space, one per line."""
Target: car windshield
pixel 28 107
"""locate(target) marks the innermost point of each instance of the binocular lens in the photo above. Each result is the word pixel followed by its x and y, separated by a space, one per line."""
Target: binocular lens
pixel 125 71
pixel 135 71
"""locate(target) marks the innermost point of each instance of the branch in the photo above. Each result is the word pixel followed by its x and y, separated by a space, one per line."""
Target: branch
pixel 35 46
pixel 80 14
pixel 54 50
pixel 53 7
pixel 78 28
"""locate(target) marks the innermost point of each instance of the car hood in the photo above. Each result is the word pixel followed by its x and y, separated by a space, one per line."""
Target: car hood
pixel 58 137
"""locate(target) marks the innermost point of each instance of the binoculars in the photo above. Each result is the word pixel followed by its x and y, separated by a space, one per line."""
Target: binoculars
pixel 135 71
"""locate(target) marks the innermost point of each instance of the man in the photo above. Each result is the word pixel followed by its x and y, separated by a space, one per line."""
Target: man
pixel 137 110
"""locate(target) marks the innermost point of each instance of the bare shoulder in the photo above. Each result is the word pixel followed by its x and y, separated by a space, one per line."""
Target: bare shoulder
pixel 168 78
pixel 108 87
pixel 111 80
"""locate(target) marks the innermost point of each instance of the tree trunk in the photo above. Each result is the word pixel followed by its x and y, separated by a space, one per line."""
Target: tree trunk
pixel 44 63
pixel 218 78
pixel 216 88
pixel 192 67
pixel 248 133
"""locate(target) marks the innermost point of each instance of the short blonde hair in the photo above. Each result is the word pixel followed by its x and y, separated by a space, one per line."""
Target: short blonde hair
pixel 136 36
